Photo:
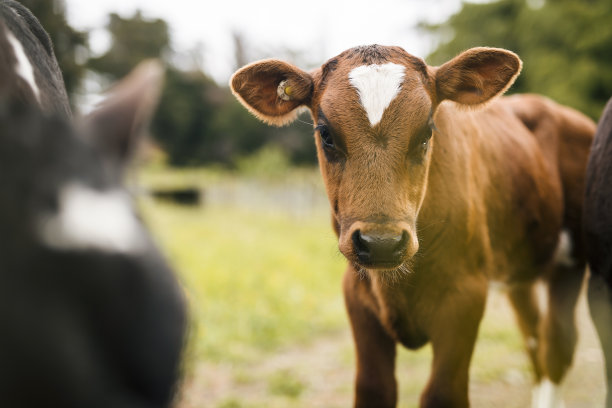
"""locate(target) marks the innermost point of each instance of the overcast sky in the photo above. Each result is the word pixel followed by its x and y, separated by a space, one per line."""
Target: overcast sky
pixel 319 28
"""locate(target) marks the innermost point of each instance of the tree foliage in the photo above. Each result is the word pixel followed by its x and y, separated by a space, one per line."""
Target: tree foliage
pixel 565 45
pixel 197 122
pixel 67 41
pixel 133 40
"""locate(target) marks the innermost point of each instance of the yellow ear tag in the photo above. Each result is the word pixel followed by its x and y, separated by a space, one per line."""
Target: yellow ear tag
pixel 284 91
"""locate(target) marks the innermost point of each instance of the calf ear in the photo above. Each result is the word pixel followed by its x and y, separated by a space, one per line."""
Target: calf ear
pixel 116 126
pixel 477 75
pixel 272 90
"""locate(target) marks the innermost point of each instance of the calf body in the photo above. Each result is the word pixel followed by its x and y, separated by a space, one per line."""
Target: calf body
pixel 598 232
pixel 432 199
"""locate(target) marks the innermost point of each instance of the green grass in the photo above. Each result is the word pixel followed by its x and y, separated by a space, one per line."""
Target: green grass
pixel 285 383
pixel 255 281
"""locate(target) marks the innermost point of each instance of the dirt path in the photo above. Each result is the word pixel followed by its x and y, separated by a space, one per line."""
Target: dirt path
pixel 320 374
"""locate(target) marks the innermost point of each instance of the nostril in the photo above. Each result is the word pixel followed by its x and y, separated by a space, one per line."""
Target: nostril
pixel 382 248
pixel 360 245
pixel 402 242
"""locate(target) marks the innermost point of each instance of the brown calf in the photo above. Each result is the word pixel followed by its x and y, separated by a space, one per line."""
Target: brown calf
pixel 430 200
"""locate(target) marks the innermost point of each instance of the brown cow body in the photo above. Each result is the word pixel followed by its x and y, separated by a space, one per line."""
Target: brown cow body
pixel 473 229
pixel 431 201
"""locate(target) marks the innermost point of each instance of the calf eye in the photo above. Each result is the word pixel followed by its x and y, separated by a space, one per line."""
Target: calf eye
pixel 331 150
pixel 420 145
pixel 425 142
pixel 326 137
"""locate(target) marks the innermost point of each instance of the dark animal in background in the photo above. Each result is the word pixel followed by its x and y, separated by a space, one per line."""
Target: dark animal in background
pixel 90 313
pixel 191 196
pixel 431 200
pixel 27 52
pixel 598 233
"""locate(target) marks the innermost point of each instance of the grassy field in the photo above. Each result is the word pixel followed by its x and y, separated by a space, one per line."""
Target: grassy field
pixel 256 280
pixel 269 327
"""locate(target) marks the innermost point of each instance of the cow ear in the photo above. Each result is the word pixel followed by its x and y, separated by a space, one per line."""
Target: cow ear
pixel 477 75
pixel 117 125
pixel 272 90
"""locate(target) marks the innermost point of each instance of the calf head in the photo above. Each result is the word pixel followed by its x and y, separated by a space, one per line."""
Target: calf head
pixel 373 109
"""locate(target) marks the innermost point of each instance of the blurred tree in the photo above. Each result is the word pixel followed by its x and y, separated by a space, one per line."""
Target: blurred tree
pixel 71 46
pixel 197 122
pixel 182 122
pixel 565 45
pixel 133 40
pixel 240 55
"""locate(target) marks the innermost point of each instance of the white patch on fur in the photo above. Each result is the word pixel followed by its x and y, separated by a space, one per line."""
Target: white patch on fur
pixel 498 285
pixel 532 343
pixel 377 86
pixel 23 68
pixel 541 297
pixel 88 219
pixel 547 395
pixel 563 253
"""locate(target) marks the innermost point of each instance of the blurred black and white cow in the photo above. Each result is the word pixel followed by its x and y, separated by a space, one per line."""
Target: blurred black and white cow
pixel 90 313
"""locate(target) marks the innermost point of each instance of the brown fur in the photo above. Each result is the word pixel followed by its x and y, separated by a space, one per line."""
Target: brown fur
pixel 255 86
pixel 486 200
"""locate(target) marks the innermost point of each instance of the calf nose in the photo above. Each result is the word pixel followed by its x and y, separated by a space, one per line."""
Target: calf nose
pixel 380 249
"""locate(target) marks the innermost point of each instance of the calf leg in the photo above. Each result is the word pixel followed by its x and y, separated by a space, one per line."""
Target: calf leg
pixel 600 305
pixel 558 333
pixel 375 381
pixel 453 335
pixel 523 299
pixel 545 394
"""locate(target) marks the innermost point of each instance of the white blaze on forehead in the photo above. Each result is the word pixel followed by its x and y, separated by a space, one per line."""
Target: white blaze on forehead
pixel 88 219
pixel 377 86
pixel 24 67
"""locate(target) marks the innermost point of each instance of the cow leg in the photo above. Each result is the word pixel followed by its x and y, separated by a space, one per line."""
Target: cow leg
pixel 453 335
pixel 524 302
pixel 375 384
pixel 546 393
pixel 559 334
pixel 600 305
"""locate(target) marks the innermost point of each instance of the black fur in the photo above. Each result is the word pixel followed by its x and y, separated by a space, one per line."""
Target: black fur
pixel 598 236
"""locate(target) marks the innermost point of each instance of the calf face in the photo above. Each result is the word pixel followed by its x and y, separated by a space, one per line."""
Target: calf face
pixel 374 111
